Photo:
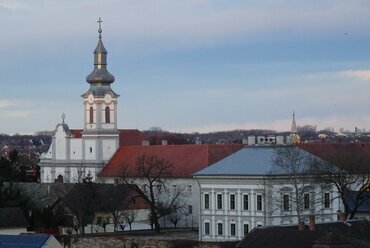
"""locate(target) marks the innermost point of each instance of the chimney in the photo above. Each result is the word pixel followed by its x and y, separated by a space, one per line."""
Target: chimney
pixel 145 143
pixel 311 223
pixel 164 142
pixel 301 226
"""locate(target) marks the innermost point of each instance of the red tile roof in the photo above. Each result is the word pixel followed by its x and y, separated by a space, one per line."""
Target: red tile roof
pixel 131 137
pixel 127 137
pixel 355 156
pixel 185 159
pixel 76 132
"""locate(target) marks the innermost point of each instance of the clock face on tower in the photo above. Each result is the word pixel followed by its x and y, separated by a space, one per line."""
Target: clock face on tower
pixel 90 98
pixel 107 98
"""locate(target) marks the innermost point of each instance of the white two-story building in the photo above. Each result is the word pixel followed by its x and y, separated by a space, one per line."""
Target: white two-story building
pixel 247 189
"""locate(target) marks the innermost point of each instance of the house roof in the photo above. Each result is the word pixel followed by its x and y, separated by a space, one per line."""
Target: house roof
pixel 127 137
pixel 364 207
pixel 185 159
pixel 350 156
pixel 333 234
pixel 41 195
pixel 101 197
pixel 27 241
pixel 12 218
pixel 252 160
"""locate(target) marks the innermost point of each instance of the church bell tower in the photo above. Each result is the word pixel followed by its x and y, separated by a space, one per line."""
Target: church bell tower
pixel 100 135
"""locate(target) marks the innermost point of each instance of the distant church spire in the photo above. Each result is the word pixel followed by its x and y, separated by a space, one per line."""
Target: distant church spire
pixel 294 125
pixel 294 132
pixel 100 74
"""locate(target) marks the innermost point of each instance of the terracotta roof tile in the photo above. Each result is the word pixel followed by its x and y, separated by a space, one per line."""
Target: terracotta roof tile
pixel 127 137
pixel 185 159
pixel 354 156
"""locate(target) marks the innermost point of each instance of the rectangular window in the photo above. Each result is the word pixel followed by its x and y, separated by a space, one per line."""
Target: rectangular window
pixel 306 201
pixel 190 209
pixel 219 201
pixel 232 202
pixel 245 202
pixel 206 201
pixel 206 228
pixel 285 202
pixel 327 200
pixel 259 202
pixel 219 229
pixel 246 229
pixel 232 229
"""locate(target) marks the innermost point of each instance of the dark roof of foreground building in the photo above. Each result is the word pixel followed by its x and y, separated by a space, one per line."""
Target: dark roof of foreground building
pixel 12 218
pixel 185 159
pixel 334 234
pixel 102 197
pixel 27 241
pixel 41 195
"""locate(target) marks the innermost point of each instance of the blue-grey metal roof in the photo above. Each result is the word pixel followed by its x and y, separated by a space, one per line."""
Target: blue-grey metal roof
pixel 27 241
pixel 252 160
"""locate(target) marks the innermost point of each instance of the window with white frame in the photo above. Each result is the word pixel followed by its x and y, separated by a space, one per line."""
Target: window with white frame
pixel 232 202
pixel 259 202
pixel 219 201
pixel 206 201
pixel 327 200
pixel 232 229
pixel 219 229
pixel 306 201
pixel 246 229
pixel 206 228
pixel 286 202
pixel 245 202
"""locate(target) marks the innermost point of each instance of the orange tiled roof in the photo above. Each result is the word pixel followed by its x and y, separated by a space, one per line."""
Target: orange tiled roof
pixel 185 159
pixel 355 156
pixel 127 137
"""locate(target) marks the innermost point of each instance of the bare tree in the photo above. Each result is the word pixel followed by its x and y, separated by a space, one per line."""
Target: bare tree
pixel 293 180
pixel 350 175
pixel 129 217
pixel 81 202
pixel 152 175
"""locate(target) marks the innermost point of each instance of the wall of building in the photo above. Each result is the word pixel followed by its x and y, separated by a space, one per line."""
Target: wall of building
pixel 264 207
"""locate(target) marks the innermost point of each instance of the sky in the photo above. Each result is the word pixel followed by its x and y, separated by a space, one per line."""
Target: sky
pixel 188 65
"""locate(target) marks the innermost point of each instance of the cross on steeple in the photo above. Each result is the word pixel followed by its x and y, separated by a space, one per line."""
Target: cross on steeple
pixel 99 21
pixel 63 117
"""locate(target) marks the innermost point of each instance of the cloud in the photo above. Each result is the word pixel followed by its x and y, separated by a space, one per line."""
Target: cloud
pixel 358 74
pixel 14 5
pixel 16 113
pixel 5 104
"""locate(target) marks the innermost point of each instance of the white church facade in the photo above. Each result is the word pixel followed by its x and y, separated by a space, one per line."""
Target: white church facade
pixel 74 154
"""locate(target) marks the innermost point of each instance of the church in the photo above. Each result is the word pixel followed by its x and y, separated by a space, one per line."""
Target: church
pixel 100 149
pixel 77 153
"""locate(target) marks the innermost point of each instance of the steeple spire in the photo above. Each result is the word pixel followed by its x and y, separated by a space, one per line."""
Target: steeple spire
pixel 100 74
pixel 294 125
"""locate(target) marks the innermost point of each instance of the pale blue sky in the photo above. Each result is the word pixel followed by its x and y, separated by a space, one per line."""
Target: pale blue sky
pixel 188 65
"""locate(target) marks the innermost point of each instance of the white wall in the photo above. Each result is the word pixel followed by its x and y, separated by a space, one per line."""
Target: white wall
pixel 270 214
pixel 60 144
pixel 75 149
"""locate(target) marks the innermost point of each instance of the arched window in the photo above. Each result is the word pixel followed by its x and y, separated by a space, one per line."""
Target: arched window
pixel 91 115
pixel 107 114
